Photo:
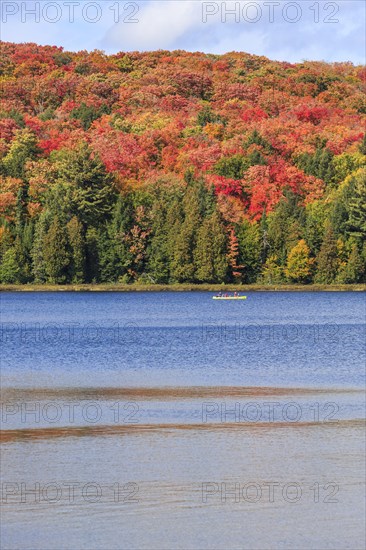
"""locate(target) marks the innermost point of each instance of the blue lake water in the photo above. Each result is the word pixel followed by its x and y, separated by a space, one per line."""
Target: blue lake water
pixel 182 422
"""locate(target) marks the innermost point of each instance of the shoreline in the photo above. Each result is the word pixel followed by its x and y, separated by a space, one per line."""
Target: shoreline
pixel 116 287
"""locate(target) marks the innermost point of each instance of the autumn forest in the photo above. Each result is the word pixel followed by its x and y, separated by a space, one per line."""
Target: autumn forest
pixel 176 167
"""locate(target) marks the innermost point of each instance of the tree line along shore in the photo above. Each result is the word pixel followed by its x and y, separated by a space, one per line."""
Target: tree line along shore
pixel 180 288
pixel 180 168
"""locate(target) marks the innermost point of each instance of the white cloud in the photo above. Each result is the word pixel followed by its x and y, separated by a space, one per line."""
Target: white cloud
pixel 177 24
pixel 160 25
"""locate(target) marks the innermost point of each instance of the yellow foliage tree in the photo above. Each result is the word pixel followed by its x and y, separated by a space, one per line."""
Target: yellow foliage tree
pixel 299 264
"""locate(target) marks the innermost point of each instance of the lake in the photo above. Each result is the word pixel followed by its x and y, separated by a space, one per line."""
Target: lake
pixel 174 421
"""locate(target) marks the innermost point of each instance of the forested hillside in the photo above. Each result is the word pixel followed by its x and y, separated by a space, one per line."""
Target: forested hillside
pixel 180 167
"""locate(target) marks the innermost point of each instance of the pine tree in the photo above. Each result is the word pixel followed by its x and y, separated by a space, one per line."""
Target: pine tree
pixel 362 146
pixel 210 252
pixel 210 201
pixel 25 249
pixel 77 244
pixel 327 260
pixel 265 246
pixel 207 116
pixel 363 259
pixel 37 251
pixel 357 207
pixel 56 253
pixel 158 253
pixel 354 270
pixel 21 208
pixel 182 264
pixel 284 226
pixel 257 139
pixel 24 270
pixel 232 167
pixel 119 259
pixel 174 222
pixel 9 267
pixel 108 258
pixel 272 272
pixel 6 239
pixel 92 259
pixel 88 188
pixel 250 249
pixel 87 114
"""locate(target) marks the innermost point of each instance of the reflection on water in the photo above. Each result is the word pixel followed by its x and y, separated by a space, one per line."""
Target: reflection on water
pixel 178 478
pixel 117 445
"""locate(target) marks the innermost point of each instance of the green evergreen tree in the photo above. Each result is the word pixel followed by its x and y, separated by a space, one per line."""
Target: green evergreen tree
pixel 87 114
pixel 119 259
pixel 10 271
pixel 77 244
pixel 6 240
pixel 327 260
pixel 207 116
pixel 209 201
pixel 320 164
pixel 362 146
pixel 354 270
pixel 174 222
pixel 357 207
pixel 250 250
pixel 24 272
pixel 285 226
pixel 21 213
pixel 256 158
pixel 206 198
pixel 339 215
pixel 92 260
pixel 109 262
pixel 232 167
pixel 363 259
pixel 37 251
pixel 158 253
pixel 57 255
pixel 88 190
pixel 272 272
pixel 256 138
pixel 210 253
pixel 265 245
pixel 182 264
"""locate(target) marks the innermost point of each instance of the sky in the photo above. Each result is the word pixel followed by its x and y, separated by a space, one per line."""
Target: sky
pixel 278 29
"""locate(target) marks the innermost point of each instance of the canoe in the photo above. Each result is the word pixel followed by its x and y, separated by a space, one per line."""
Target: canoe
pixel 229 297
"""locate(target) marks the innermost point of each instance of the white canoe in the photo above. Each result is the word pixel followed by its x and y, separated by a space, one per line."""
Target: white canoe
pixel 229 297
